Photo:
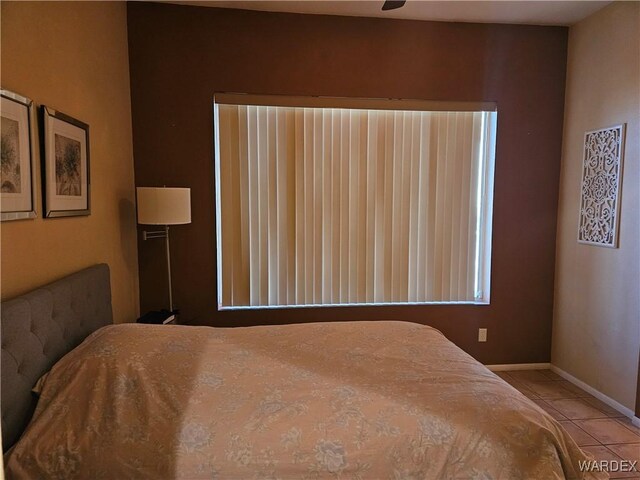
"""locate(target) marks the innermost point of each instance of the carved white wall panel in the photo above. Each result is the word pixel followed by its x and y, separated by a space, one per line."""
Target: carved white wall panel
pixel 601 182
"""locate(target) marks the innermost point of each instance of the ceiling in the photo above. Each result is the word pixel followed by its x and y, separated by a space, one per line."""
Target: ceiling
pixel 521 12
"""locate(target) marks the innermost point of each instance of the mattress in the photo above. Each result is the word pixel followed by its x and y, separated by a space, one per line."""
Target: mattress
pixel 357 400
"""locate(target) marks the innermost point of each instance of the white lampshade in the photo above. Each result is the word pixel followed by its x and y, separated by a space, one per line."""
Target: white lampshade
pixel 164 206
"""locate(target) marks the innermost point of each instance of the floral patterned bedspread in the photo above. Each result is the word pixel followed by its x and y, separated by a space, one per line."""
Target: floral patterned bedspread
pixel 361 400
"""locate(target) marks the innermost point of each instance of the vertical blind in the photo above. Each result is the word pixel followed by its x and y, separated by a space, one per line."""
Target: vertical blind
pixel 333 206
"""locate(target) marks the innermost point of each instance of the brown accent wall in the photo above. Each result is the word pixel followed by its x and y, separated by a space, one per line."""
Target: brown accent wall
pixel 181 55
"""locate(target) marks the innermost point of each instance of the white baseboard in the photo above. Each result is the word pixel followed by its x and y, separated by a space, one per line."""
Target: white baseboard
pixel 627 412
pixel 518 366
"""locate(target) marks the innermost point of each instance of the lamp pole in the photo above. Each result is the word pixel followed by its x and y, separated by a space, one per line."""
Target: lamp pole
pixel 166 228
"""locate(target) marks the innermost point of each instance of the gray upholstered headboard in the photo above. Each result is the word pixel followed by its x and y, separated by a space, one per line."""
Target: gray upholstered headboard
pixel 38 329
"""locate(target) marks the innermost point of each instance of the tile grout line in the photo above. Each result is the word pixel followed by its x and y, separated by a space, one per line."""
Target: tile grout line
pixel 522 382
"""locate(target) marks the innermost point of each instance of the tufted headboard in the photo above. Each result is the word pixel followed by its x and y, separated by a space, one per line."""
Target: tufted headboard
pixel 38 329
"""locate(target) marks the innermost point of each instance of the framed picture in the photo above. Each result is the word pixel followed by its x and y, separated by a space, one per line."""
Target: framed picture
pixel 601 182
pixel 65 160
pixel 17 167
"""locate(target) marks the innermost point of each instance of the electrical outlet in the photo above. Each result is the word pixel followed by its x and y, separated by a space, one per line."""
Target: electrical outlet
pixel 482 334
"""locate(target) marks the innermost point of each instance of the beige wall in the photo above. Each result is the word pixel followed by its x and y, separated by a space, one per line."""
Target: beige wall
pixel 73 57
pixel 596 329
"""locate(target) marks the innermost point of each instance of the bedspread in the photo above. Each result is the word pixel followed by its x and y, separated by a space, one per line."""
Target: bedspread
pixel 352 400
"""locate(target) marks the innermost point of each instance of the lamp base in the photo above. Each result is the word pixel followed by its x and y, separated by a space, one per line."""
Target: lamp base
pixel 161 317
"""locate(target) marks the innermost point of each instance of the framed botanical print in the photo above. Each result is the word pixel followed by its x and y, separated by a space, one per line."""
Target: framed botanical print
pixel 17 166
pixel 65 159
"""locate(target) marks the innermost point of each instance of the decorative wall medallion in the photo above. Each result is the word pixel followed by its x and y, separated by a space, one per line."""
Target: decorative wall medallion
pixel 601 182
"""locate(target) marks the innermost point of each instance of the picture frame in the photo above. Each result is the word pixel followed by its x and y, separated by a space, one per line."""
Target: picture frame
pixel 600 189
pixel 65 165
pixel 18 164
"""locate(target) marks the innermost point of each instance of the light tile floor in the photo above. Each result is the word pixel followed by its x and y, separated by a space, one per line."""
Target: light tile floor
pixel 594 425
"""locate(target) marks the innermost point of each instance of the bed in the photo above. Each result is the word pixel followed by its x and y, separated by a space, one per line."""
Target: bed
pixel 361 400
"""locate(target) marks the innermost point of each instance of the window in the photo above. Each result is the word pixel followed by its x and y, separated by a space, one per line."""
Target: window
pixel 326 202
